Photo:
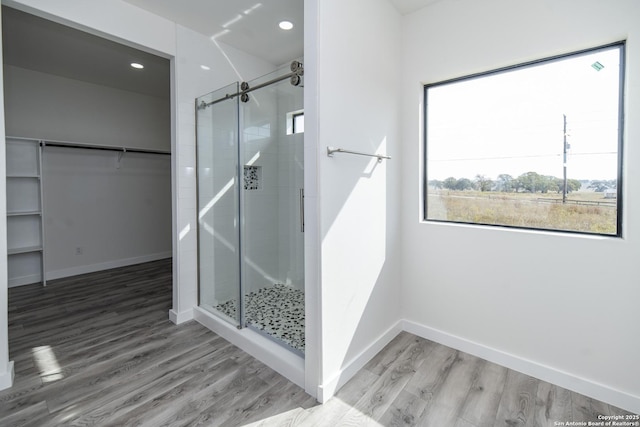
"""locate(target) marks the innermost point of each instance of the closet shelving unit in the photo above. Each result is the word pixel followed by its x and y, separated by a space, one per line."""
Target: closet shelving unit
pixel 25 225
pixel 25 203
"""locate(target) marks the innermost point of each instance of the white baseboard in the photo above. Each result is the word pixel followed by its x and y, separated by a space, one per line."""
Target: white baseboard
pixel 83 269
pixel 180 317
pixel 278 358
pixel 6 378
pixel 23 280
pixel 546 373
pixel 349 369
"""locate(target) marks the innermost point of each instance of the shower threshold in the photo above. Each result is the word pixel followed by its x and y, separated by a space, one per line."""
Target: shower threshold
pixel 276 311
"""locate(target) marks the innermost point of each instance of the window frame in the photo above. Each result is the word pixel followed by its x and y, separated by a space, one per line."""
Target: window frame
pixel 294 117
pixel 621 45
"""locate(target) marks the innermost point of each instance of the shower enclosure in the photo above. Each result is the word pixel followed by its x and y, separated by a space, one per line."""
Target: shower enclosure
pixel 250 205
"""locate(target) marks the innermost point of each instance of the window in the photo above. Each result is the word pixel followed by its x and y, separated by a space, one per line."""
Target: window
pixel 295 122
pixel 535 146
pixel 298 123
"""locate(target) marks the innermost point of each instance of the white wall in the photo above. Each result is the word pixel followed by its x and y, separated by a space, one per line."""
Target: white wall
pixel 116 212
pixel 573 323
pixel 358 198
pixel 312 279
pixel 40 105
pixel 6 367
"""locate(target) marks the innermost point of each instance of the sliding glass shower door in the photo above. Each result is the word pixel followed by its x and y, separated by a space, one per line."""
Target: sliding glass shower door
pixel 250 207
pixel 218 203
pixel 272 204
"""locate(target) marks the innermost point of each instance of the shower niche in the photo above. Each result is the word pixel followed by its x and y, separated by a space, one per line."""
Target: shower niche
pixel 250 206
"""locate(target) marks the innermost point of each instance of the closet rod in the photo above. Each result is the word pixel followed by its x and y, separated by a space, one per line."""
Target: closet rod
pixel 46 143
pixel 54 143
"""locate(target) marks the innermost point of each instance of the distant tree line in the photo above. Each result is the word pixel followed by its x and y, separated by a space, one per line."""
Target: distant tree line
pixel 600 186
pixel 530 182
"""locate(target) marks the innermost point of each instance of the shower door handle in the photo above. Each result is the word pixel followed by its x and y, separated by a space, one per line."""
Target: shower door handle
pixel 302 210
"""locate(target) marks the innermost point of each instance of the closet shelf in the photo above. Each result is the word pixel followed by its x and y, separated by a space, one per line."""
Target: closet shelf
pixel 25 250
pixel 23 176
pixel 24 213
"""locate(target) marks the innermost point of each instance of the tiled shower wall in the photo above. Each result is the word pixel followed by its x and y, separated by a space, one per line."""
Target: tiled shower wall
pixel 260 150
pixel 273 240
pixel 291 180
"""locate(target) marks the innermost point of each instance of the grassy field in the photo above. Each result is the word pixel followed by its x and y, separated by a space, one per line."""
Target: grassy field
pixel 584 211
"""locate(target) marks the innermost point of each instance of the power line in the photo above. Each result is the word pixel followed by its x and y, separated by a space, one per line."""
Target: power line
pixel 519 157
pixel 494 158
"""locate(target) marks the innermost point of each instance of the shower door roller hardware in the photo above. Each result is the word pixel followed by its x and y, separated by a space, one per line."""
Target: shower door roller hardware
pixel 302 210
pixel 296 67
pixel 297 71
pixel 244 97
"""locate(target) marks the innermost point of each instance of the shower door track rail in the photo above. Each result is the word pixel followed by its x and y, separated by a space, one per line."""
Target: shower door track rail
pixel 294 75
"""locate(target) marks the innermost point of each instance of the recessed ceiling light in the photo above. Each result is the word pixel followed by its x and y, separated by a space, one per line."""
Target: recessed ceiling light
pixel 137 66
pixel 205 67
pixel 285 25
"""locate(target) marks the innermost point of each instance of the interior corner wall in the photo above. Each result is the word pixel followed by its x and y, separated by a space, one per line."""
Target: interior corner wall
pixel 505 294
pixel 357 81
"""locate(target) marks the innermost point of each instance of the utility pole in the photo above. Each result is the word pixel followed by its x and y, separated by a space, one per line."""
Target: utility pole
pixel 564 160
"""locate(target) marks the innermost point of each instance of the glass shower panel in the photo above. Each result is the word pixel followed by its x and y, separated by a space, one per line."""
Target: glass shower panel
pixel 271 156
pixel 218 204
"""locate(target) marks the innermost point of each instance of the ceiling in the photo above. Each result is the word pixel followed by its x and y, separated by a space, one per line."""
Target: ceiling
pixel 409 6
pixel 45 46
pixel 248 25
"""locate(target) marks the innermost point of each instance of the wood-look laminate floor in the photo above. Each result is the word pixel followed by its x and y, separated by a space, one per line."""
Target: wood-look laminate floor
pixel 98 350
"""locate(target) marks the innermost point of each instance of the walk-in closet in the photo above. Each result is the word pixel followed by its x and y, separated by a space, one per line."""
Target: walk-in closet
pixel 88 149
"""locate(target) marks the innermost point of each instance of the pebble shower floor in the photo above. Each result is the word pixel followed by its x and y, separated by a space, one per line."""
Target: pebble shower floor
pixel 277 310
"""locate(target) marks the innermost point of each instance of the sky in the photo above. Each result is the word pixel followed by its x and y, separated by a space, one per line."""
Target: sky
pixel 512 122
